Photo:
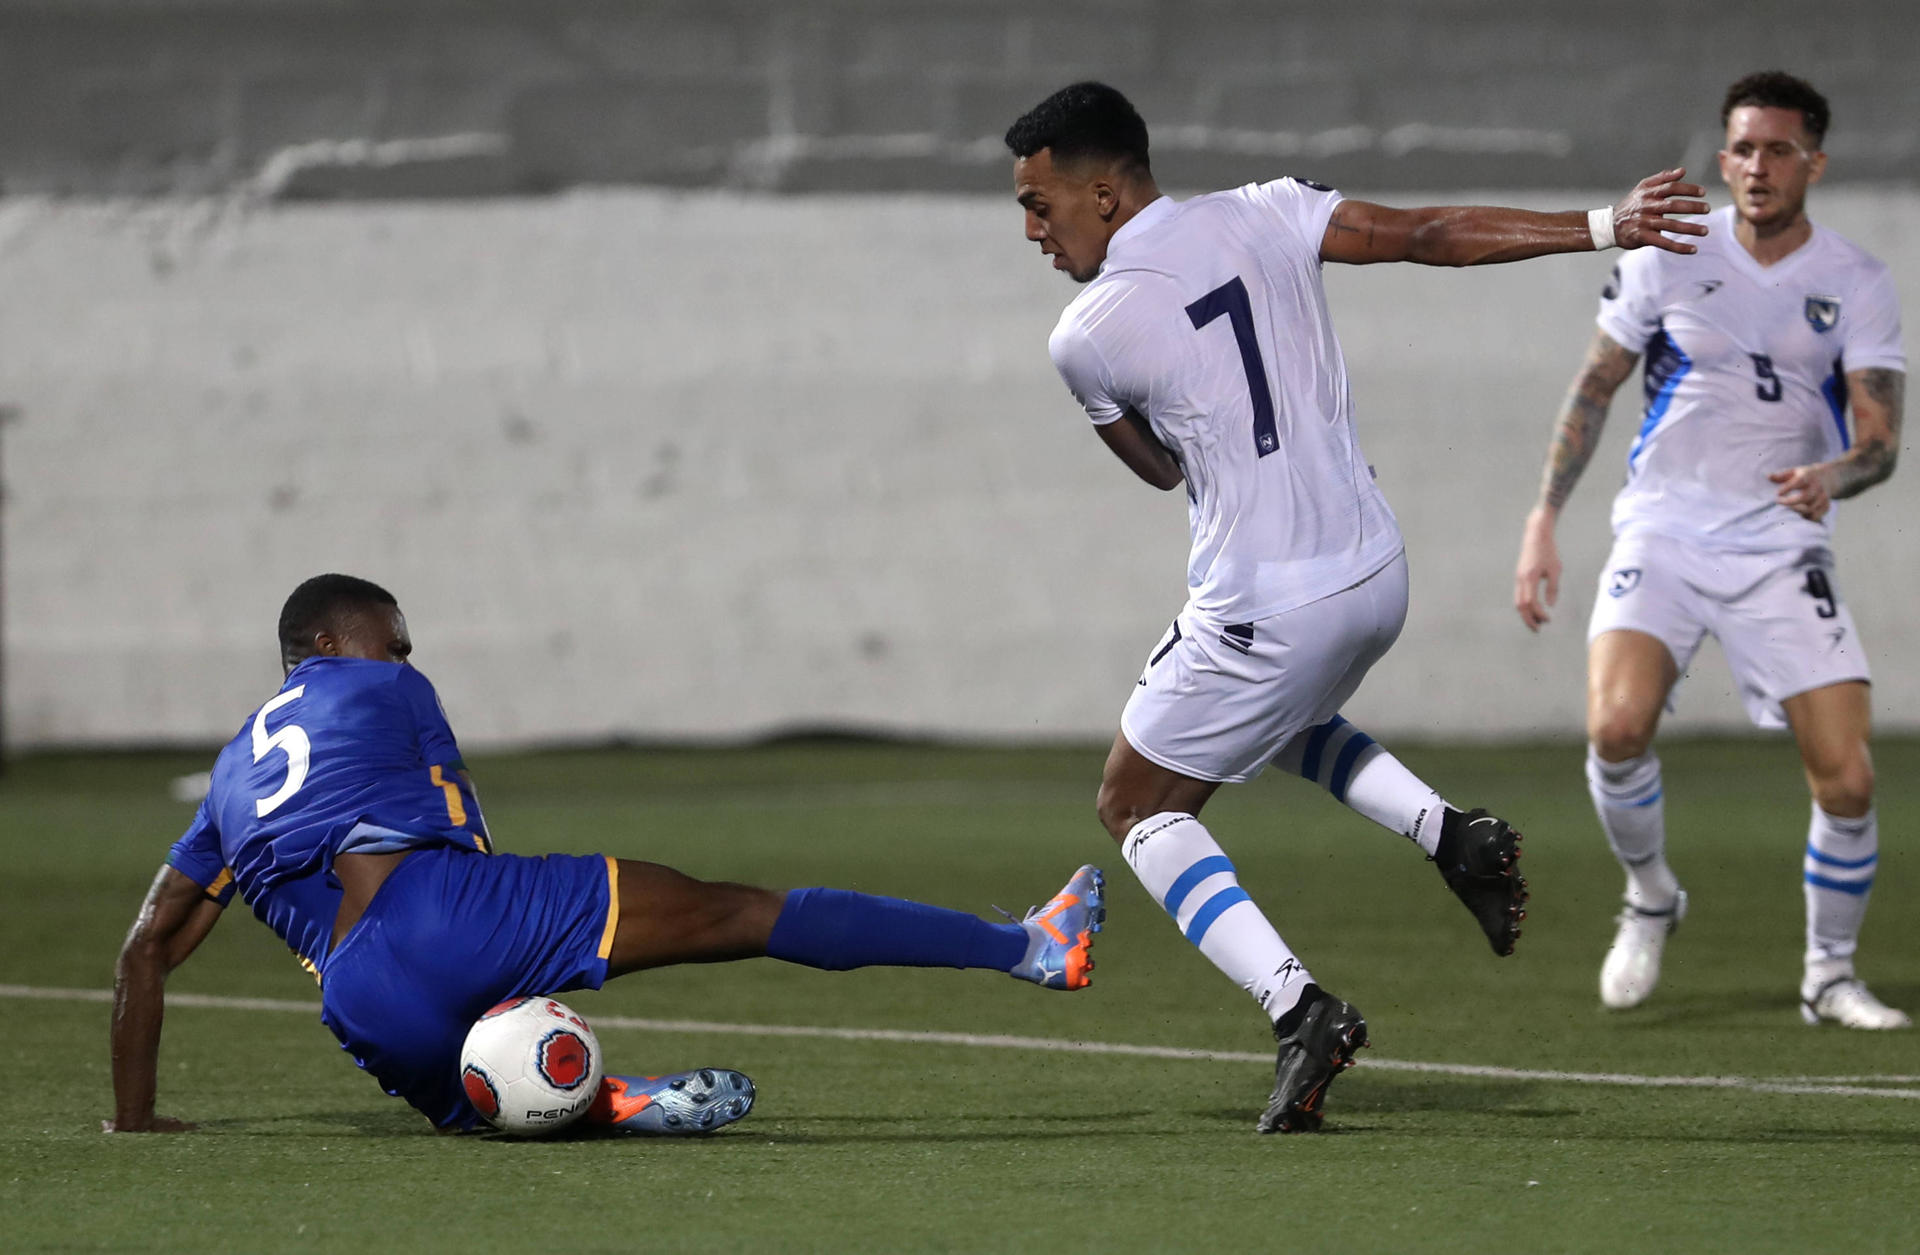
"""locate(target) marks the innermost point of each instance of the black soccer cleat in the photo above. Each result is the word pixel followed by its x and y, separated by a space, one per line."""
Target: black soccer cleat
pixel 1317 1041
pixel 1479 857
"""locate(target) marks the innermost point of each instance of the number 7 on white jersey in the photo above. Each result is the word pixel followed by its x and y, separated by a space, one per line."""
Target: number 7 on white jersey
pixel 1230 298
pixel 291 741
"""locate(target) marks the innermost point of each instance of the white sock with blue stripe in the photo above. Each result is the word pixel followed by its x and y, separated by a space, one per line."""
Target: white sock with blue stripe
pixel 1842 856
pixel 1627 798
pixel 1358 771
pixel 1188 874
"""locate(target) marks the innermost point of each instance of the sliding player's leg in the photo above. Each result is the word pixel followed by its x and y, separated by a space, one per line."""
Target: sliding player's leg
pixel 453 932
pixel 666 917
pixel 1832 725
pixel 1629 674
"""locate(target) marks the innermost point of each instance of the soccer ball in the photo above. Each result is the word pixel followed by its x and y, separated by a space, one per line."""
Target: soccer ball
pixel 530 1066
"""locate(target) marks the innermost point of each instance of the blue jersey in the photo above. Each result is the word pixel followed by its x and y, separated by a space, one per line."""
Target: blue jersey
pixel 350 755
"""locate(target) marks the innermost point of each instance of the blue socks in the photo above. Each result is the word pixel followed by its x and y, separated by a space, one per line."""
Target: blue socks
pixel 837 929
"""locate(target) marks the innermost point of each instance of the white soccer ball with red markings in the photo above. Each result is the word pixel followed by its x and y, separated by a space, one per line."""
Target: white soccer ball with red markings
pixel 530 1066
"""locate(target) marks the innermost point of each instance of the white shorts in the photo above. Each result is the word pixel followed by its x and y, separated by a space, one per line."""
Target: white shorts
pixel 1218 701
pixel 1777 615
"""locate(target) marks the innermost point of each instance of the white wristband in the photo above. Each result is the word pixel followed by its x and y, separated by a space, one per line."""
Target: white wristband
pixel 1600 226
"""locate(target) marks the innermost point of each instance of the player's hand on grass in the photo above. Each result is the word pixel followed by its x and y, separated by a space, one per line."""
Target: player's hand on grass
pixel 1645 215
pixel 152 1124
pixel 1539 561
pixel 1804 491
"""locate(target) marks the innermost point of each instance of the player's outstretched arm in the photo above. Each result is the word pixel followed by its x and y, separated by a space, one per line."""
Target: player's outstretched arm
pixel 1360 233
pixel 1582 415
pixel 1134 443
pixel 176 916
pixel 1879 397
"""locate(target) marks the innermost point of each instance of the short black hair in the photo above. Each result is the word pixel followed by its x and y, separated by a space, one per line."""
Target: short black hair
pixel 1083 120
pixel 1776 89
pixel 318 605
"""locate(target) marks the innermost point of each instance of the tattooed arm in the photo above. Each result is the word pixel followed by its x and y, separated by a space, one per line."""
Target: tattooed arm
pixel 1582 415
pixel 1878 397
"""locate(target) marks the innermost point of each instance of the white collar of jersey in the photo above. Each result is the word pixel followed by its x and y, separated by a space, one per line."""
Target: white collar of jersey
pixel 1153 211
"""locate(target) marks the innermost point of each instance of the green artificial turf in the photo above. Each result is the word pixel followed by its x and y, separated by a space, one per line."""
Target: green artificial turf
pixel 905 1145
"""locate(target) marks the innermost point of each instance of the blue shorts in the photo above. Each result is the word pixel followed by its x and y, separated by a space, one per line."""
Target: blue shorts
pixel 450 933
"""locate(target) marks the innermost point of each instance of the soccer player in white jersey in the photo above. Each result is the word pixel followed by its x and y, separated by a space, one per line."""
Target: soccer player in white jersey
pixel 1202 350
pixel 1756 349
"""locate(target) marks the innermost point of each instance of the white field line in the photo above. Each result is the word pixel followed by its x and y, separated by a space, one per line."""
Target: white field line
pixel 1849 1086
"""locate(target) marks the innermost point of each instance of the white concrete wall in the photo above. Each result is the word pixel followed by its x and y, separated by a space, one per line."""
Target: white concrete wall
pixel 658 465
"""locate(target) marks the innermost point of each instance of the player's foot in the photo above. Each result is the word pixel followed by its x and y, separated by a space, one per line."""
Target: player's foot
pixel 1060 934
pixel 1847 1002
pixel 1479 858
pixel 1316 1045
pixel 1632 966
pixel 678 1105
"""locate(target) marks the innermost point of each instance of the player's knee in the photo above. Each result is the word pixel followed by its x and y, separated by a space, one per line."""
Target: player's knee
pixel 1617 735
pixel 1845 789
pixel 1119 811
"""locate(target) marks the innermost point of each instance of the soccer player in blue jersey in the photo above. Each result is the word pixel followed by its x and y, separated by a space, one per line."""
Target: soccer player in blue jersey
pixel 343 815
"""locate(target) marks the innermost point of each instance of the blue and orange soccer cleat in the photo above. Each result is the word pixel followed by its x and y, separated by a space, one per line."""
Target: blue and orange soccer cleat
pixel 678 1105
pixel 1060 934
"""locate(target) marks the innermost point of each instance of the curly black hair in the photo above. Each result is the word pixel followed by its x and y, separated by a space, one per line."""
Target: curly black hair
pixel 1083 120
pixel 1776 89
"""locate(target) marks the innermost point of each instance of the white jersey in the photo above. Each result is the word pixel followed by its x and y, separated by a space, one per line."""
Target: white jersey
pixel 1745 372
pixel 1210 321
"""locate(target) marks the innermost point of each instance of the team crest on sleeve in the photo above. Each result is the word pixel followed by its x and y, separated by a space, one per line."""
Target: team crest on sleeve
pixel 1624 581
pixel 1823 312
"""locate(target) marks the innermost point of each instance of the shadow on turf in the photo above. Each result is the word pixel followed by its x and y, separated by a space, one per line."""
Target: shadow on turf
pixel 1737 1008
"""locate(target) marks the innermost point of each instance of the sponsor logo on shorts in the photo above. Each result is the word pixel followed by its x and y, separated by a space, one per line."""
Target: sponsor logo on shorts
pixel 1823 312
pixel 1624 581
pixel 1238 636
pixel 563 1059
pixel 480 1091
pixel 1839 634
pixel 1708 287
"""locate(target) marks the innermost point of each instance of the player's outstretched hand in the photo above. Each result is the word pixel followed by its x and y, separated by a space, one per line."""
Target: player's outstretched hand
pixel 1804 491
pixel 154 1124
pixel 1645 215
pixel 1539 561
